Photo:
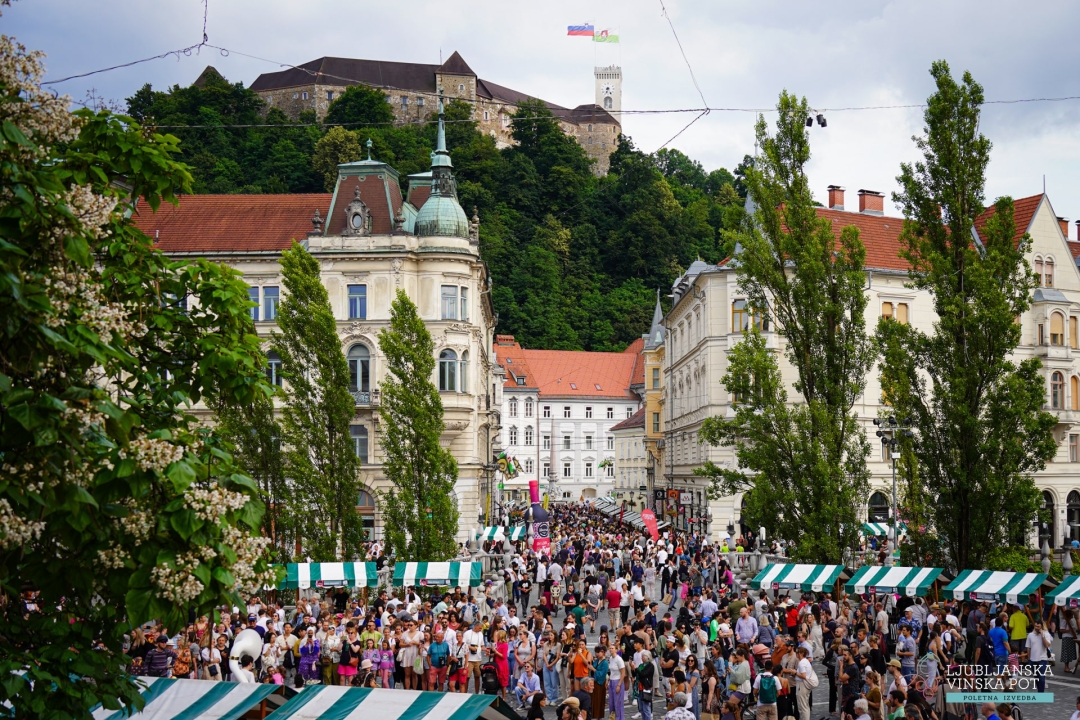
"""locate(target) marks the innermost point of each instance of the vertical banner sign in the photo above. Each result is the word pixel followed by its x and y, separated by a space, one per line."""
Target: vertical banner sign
pixel 534 491
pixel 541 529
pixel 649 518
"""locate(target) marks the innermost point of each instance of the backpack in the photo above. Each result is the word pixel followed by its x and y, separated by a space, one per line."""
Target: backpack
pixel 767 690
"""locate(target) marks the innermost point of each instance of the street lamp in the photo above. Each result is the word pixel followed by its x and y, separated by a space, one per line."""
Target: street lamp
pixel 891 431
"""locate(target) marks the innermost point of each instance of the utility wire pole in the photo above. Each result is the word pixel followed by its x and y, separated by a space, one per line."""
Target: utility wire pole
pixel 891 431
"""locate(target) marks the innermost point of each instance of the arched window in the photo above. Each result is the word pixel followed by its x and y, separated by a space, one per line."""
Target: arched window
pixel 448 370
pixel 528 435
pixel 1057 391
pixel 513 407
pixel 878 510
pixel 365 508
pixel 1048 272
pixel 607 103
pixel 528 407
pixel 513 435
pixel 1074 393
pixel 359 358
pixel 359 435
pixel 1057 329
pixel 1072 515
pixel 1046 524
pixel 463 385
pixel 1037 266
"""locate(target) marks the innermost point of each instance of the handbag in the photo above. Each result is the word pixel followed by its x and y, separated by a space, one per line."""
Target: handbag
pixel 418 665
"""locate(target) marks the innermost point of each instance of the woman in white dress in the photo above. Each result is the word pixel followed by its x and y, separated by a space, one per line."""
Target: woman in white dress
pixel 408 651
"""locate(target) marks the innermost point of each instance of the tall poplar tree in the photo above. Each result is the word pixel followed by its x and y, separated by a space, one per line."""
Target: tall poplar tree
pixel 320 458
pixel 980 430
pixel 420 516
pixel 802 460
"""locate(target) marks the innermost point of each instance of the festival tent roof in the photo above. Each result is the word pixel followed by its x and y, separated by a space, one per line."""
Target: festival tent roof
pixel 876 529
pixel 1006 587
pixel 515 533
pixel 450 574
pixel 348 574
pixel 1067 593
pixel 342 703
pixel 808 578
pixel 168 699
pixel 909 581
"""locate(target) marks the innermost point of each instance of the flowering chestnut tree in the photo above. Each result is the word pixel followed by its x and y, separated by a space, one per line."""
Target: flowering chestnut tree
pixel 116 505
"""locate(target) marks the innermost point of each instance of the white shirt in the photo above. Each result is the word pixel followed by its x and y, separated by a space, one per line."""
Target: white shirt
pixel 471 638
pixel 882 621
pixel 615 666
pixel 805 668
pixel 1036 647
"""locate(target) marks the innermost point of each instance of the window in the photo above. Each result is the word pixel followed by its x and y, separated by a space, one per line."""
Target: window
pixel 448 371
pixel 419 102
pixel 464 304
pixel 528 407
pixel 1042 334
pixel 547 442
pixel 739 316
pixel 588 470
pixel 1057 329
pixel 547 469
pixel 566 469
pixel 528 435
pixel 506 120
pixel 597 386
pixel 656 422
pixel 1038 265
pixel 461 88
pixel 1074 392
pixel 611 471
pixel 253 295
pixel 902 313
pixel 270 303
pixel 404 101
pixel 304 94
pixel 1074 330
pixel 590 128
pixel 1046 529
pixel 629 413
pixel 359 358
pixel 588 412
pixel 590 140
pixel 449 302
pixel 294 96
pixel 273 368
pixel 529 465
pixel 1057 391
pixel 588 442
pixel 513 435
pixel 359 435
pixel 611 413
pixel 566 411
pixel 886 310
pixel 358 302
pixel 463 378
pixel 611 442
pixel 1072 515
pixel 513 407
pixel 656 378
pixel 1074 448
pixel 566 442
pixel 1048 273
pixel 519 379
pixel 607 103
pixel 547 411
pixel 329 94
pixel 486 116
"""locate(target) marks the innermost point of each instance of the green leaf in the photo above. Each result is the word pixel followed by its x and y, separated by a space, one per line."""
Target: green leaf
pixel 182 475
pixel 76 248
pixel 224 577
pixel 185 522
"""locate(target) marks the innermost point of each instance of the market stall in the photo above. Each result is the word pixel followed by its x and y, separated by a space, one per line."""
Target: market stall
pixel 1067 594
pixel 881 529
pixel 807 578
pixel 497 533
pixel 438 574
pixel 332 701
pixel 907 581
pixel 995 586
pixel 169 699
pixel 335 574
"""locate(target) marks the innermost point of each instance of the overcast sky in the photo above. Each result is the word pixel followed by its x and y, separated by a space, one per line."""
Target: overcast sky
pixel 837 54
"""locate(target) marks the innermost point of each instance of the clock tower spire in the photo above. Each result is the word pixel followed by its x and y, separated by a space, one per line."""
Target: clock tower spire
pixel 609 88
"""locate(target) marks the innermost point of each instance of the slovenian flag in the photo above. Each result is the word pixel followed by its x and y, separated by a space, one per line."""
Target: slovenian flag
pixel 581 30
pixel 607 36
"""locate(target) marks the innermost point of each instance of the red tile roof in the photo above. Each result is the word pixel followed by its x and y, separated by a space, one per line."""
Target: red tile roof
pixel 379 191
pixel 637 375
pixel 637 420
pixel 231 223
pixel 880 235
pixel 1074 248
pixel 1024 211
pixel 511 358
pixel 574 373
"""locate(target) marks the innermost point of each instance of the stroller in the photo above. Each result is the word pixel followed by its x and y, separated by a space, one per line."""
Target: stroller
pixel 489 679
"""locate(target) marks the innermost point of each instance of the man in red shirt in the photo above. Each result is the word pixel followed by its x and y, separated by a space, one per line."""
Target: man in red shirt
pixel 614 598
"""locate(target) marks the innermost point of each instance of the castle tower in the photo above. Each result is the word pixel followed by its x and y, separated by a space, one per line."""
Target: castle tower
pixel 609 88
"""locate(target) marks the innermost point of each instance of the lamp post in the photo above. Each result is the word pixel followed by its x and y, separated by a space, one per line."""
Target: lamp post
pixel 891 431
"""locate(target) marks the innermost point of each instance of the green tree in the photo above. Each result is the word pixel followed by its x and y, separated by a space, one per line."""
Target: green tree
pixel 337 146
pixel 360 105
pixel 980 429
pixel 420 515
pixel 116 505
pixel 803 457
pixel 320 459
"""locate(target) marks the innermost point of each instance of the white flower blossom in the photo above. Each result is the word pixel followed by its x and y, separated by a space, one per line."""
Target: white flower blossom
pixel 211 503
pixel 153 453
pixel 16 530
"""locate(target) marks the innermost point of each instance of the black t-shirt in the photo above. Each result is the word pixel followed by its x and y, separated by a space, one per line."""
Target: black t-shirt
pixel 525 586
pixel 671 654
pixel 877 661
pixel 379 605
pixel 854 680
pixel 628 647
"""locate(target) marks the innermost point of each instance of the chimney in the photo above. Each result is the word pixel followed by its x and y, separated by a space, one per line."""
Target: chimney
pixel 1077 231
pixel 871 202
pixel 1063 223
pixel 836 197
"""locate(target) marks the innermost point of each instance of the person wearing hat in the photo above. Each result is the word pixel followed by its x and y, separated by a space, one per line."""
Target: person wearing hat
pixel 160 658
pixel 896 677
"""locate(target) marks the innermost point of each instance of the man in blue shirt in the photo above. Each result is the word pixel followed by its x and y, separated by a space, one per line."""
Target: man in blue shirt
pixel 909 620
pixel 438 656
pixel 999 637
pixel 906 649
pixel 528 685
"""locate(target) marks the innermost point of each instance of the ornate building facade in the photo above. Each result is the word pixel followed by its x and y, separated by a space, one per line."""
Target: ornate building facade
pixel 371 242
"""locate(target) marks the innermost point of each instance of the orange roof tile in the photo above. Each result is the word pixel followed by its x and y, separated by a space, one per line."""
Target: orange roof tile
pixel 1074 248
pixel 1023 211
pixel 231 223
pixel 510 356
pixel 880 235
pixel 637 376
pixel 574 373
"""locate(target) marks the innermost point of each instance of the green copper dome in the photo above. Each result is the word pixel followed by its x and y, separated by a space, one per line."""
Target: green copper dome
pixel 441 214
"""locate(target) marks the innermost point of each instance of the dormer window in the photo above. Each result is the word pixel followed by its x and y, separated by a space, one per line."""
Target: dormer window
pixel 357 216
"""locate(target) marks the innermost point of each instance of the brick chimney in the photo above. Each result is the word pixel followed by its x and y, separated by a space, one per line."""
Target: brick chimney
pixel 1063 223
pixel 1078 231
pixel 871 202
pixel 836 197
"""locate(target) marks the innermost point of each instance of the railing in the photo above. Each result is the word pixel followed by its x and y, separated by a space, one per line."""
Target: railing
pixel 361 397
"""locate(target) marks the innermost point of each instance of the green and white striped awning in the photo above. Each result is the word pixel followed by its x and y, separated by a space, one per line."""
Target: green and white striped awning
pixel 808 578
pixel 344 703
pixel 440 574
pixel 168 699
pixel 347 574
pixel 1067 594
pixel 876 529
pixel 909 581
pixel 515 533
pixel 1006 587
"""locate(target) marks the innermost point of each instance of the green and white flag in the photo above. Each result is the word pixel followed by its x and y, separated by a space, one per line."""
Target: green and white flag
pixel 607 36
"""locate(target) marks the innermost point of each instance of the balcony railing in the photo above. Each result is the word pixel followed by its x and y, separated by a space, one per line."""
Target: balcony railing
pixel 361 397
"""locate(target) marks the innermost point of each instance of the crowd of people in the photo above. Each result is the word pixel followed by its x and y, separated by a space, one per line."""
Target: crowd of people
pixel 672 626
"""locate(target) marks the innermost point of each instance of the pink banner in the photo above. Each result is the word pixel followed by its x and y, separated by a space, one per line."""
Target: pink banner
pixel 649 518
pixel 534 491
